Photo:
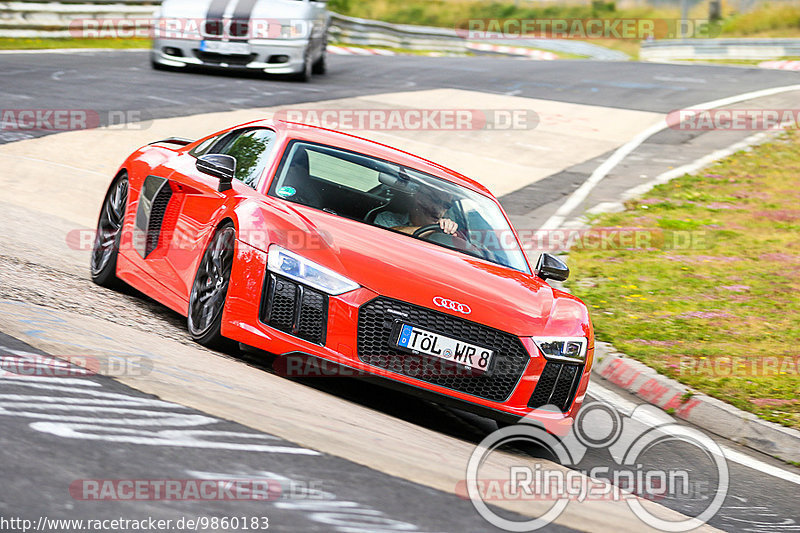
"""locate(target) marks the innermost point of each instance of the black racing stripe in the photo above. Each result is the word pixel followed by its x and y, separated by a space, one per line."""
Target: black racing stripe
pixel 216 11
pixel 241 18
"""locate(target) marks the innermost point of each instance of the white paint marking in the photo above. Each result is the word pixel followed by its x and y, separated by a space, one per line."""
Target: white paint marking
pixel 167 100
pixel 580 195
pixel 25 380
pixel 133 401
pixel 626 407
pixel 680 79
pixel 165 438
pixel 697 164
pixel 87 423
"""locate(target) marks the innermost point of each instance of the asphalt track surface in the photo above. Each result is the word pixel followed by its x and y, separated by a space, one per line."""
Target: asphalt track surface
pixel 313 492
pixel 123 81
pixel 39 465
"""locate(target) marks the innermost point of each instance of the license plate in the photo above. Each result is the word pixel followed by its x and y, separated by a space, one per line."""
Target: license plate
pixel 426 342
pixel 224 47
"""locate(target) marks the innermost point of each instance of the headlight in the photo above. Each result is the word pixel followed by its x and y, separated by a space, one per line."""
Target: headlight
pixel 289 264
pixel 563 348
pixel 295 30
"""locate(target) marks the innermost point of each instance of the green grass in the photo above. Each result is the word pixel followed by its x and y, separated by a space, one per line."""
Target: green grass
pixel 711 314
pixel 765 21
pixel 449 13
pixel 38 44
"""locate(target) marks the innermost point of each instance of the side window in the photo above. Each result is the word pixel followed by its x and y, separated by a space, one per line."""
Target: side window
pixel 251 148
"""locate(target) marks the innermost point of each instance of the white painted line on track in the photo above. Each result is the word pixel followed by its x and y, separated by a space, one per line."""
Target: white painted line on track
pixel 580 194
pixel 689 168
pixel 626 407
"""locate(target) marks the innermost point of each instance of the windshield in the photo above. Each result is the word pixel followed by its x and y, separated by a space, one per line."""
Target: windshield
pixel 399 199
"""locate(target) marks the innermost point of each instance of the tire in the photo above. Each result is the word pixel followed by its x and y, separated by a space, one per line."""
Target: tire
pixel 321 65
pixel 109 233
pixel 210 290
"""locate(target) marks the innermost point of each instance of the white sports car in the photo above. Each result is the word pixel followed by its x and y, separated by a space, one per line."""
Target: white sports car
pixel 271 36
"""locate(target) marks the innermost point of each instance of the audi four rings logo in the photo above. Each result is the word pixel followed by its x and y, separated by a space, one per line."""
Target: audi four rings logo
pixel 453 306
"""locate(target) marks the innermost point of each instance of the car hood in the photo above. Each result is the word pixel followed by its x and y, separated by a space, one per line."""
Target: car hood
pixel 401 267
pixel 197 9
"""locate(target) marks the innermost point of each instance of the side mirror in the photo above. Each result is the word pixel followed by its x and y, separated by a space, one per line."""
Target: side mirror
pixel 551 267
pixel 220 166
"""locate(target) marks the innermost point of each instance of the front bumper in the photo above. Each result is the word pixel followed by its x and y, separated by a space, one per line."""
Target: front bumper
pixel 272 56
pixel 531 382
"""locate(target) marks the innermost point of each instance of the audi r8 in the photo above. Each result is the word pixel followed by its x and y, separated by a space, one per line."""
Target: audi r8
pixel 270 36
pixel 312 244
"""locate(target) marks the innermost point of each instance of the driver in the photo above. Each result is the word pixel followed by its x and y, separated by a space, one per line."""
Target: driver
pixel 429 207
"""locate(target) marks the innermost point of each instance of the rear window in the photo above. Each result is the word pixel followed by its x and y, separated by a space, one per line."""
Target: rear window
pixel 336 170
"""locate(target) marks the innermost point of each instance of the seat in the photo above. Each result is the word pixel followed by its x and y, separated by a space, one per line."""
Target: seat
pixel 399 202
pixel 299 178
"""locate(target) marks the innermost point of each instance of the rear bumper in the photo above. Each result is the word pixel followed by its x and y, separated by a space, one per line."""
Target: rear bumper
pixel 269 56
pixel 242 321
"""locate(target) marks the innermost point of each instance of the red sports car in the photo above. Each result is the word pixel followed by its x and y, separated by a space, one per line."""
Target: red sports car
pixel 320 246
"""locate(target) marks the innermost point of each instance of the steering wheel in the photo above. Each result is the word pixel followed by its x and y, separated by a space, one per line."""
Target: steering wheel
pixel 427 229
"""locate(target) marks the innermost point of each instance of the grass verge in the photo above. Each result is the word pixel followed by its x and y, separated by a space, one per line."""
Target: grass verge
pixel 775 20
pixel 48 43
pixel 766 20
pixel 714 300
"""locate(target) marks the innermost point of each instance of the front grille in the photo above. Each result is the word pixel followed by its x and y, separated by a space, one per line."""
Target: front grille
pixel 157 210
pixel 557 385
pixel 294 308
pixel 377 320
pixel 228 59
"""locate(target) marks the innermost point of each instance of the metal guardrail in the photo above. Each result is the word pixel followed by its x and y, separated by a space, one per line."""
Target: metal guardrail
pixel 677 49
pixel 40 19
pixel 351 30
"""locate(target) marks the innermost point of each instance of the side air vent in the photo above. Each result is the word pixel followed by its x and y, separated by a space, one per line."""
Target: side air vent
pixel 556 385
pixel 294 308
pixel 153 201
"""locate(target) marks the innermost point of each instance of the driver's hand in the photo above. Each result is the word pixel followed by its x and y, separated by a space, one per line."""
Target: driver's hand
pixel 448 226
